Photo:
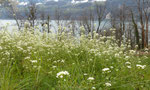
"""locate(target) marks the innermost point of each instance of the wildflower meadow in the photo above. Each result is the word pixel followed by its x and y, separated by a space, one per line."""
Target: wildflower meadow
pixel 48 61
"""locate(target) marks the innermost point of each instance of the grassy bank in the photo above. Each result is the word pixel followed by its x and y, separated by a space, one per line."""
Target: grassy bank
pixel 43 61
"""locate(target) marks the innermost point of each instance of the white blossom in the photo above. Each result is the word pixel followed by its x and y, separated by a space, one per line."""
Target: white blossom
pixel 106 70
pixel 127 63
pixel 129 67
pixel 140 66
pixel 93 88
pixel 108 84
pixel 90 78
pixel 62 73
pixel 33 61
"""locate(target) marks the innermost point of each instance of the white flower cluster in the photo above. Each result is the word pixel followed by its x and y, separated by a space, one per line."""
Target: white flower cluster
pixel 128 64
pixel 106 70
pixel 140 66
pixel 93 88
pixel 117 55
pixel 90 78
pixel 62 74
pixel 33 61
pixel 132 51
pixel 107 84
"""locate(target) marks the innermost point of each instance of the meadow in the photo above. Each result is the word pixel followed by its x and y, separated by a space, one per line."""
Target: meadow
pixel 42 61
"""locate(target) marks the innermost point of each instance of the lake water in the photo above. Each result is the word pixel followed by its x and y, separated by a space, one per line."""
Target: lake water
pixel 11 24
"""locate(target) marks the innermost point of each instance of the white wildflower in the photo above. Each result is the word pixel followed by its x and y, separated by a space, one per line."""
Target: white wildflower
pixel 129 67
pixel 90 78
pixel 117 55
pixel 145 57
pixel 136 46
pixel 62 73
pixel 146 49
pixel 85 74
pixel 127 57
pixel 139 61
pixel 61 76
pixel 90 60
pixel 55 61
pixel 34 66
pixel 132 51
pixel 1 48
pixel 108 84
pixel 127 63
pixel 34 61
pixel 54 67
pixel 26 58
pixel 140 66
pixel 62 61
pixel 111 67
pixel 106 70
pixel 93 88
pixel 146 52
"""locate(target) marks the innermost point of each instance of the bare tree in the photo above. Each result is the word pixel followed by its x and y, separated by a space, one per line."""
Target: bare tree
pixel 31 13
pixel 43 18
pixel 73 27
pixel 122 22
pixel 146 10
pixel 45 21
pixel 87 21
pixel 100 13
pixel 144 15
pixel 118 21
pixel 11 6
pixel 57 16
pixel 48 23
pixel 58 20
pixel 134 22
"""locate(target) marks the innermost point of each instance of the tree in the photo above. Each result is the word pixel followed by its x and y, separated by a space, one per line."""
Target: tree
pixel 48 23
pixel 135 25
pixel 57 18
pixel 1 2
pixel 87 21
pixel 100 13
pixel 143 7
pixel 146 10
pixel 11 6
pixel 32 13
pixel 118 20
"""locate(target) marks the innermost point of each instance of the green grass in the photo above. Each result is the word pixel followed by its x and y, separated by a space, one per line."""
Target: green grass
pixel 32 61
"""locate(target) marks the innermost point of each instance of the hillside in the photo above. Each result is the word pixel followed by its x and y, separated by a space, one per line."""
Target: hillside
pixel 73 7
